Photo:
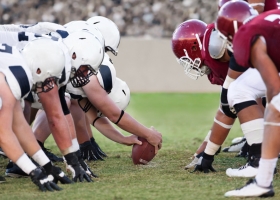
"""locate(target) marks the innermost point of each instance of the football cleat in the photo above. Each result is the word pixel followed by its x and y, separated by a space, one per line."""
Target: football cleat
pixel 235 147
pixel 52 156
pixel 15 171
pixel 250 169
pixel 244 171
pixel 251 189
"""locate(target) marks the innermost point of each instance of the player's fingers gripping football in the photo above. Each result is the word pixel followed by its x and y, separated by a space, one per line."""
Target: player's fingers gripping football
pixel 131 140
pixel 155 139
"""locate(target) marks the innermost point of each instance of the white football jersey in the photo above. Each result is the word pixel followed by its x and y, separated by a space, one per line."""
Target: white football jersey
pixel 18 39
pixel 18 75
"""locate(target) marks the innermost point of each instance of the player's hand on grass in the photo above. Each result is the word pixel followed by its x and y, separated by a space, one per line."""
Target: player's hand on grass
pixel 205 164
pixel 74 166
pixel 55 174
pixel 84 165
pixel 89 152
pixel 96 146
pixel 40 179
pixel 155 139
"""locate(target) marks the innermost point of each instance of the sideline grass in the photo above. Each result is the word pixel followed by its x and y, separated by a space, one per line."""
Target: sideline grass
pixel 184 120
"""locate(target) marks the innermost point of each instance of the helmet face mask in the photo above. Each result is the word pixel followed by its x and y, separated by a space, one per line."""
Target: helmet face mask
pixel 80 77
pixel 87 55
pixel 191 67
pixel 187 44
pixel 45 86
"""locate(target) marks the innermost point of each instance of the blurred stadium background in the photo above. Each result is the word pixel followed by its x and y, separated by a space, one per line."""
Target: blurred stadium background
pixel 145 61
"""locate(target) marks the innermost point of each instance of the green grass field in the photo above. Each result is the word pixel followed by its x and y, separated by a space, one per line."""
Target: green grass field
pixel 183 120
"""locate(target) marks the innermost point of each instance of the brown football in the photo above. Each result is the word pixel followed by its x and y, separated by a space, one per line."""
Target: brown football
pixel 143 154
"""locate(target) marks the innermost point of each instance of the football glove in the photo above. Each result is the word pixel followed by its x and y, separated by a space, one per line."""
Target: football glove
pixel 40 179
pixel 55 174
pixel 84 165
pixel 73 165
pixel 93 142
pixel 89 152
pixel 205 164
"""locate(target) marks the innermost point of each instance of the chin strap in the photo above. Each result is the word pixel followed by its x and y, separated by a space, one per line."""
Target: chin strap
pixel 87 106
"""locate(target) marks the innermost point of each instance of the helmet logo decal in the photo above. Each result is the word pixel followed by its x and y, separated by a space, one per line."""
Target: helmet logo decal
pixel 199 41
pixel 235 26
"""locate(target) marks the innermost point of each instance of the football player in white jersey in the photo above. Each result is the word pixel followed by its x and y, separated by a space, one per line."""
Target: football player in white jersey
pixel 100 100
pixel 63 138
pixel 106 77
pixel 21 73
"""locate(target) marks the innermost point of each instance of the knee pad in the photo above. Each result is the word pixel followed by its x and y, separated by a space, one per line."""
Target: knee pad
pixel 275 102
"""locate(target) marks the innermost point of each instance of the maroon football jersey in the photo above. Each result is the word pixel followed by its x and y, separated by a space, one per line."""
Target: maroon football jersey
pixel 270 5
pixel 266 25
pixel 218 69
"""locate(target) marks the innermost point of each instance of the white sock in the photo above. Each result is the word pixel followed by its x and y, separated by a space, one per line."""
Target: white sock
pixel 75 146
pixel 25 164
pixel 266 171
pixel 211 148
pixel 41 158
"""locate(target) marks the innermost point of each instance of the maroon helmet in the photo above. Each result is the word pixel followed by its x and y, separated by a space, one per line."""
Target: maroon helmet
pixel 187 44
pixel 221 3
pixel 231 16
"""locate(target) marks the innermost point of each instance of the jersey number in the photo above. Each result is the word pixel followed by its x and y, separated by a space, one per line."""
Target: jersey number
pixel 5 48
pixel 272 17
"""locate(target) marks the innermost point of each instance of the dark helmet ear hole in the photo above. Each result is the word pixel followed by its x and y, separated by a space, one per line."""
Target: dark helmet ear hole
pixel 194 48
pixel 74 56
pixel 38 71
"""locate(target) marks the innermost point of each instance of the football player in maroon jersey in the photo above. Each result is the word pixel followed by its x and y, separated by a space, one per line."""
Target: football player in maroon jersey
pixel 255 45
pixel 216 142
pixel 200 51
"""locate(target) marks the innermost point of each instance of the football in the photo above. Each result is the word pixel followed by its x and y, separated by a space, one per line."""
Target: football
pixel 143 154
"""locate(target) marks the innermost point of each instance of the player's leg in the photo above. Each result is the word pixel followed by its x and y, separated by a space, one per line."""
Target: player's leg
pixel 261 186
pixel 42 132
pixel 92 139
pixel 8 140
pixel 242 95
pixel 219 131
pixel 87 149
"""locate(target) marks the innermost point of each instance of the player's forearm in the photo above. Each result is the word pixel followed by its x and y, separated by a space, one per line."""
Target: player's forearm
pixel 132 126
pixel 104 126
pixel 60 130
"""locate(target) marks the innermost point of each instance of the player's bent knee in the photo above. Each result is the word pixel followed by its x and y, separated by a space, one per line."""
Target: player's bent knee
pixel 240 106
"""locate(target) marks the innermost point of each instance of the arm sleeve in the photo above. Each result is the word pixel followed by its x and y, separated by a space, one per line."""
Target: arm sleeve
pixel 236 67
pixel 64 106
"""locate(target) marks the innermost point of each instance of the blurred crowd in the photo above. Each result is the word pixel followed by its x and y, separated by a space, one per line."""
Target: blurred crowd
pixel 137 18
